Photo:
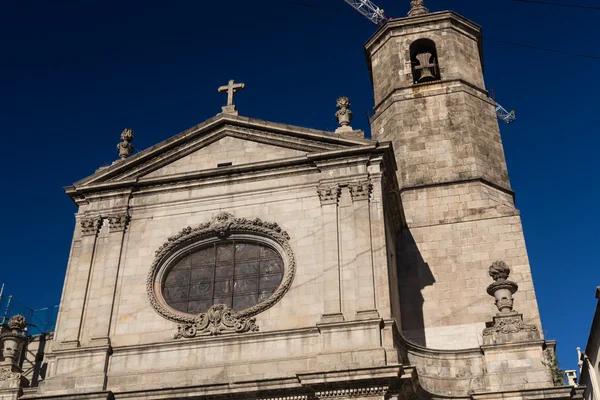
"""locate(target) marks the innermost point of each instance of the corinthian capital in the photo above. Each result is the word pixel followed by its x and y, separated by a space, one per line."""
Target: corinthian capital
pixel 329 194
pixel 360 190
pixel 118 223
pixel 90 225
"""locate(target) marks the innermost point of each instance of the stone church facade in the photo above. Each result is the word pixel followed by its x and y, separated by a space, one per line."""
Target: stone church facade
pixel 256 260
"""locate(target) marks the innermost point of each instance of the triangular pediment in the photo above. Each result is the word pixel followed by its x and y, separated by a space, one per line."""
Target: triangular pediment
pixel 227 151
pixel 219 141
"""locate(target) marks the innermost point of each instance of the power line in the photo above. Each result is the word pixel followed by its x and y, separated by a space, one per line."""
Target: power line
pixel 543 48
pixel 549 3
pixel 593 57
pixel 313 6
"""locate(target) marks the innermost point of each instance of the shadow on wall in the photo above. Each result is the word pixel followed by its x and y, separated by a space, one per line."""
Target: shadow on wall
pixel 414 275
pixel 34 365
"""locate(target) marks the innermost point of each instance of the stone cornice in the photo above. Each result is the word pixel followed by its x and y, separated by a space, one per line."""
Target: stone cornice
pixel 437 88
pixel 312 162
pixel 398 27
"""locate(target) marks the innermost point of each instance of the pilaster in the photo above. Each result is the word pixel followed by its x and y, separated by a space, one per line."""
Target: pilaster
pixel 68 331
pixel 103 282
pixel 360 192
pixel 329 195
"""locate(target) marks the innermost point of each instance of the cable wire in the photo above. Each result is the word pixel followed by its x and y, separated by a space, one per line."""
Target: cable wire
pixel 550 3
pixel 590 56
pixel 543 48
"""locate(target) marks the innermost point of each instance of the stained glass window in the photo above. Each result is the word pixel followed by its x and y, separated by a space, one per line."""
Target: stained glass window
pixel 236 273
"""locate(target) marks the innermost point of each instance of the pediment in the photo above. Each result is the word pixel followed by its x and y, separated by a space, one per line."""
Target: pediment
pixel 219 141
pixel 226 151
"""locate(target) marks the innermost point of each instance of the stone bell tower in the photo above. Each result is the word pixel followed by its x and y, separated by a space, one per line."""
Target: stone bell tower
pixel 432 104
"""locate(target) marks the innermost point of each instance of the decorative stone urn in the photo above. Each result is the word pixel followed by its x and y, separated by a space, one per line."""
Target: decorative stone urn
pixel 508 325
pixel 502 289
pixel 343 115
pixel 125 147
pixel 13 341
pixel 12 344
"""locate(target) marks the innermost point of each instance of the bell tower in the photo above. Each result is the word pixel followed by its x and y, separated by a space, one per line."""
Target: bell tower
pixel 432 104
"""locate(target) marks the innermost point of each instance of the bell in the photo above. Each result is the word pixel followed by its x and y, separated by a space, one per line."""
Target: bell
pixel 426 75
pixel 425 67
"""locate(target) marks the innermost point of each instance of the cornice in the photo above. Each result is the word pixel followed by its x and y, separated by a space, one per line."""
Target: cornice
pixel 310 163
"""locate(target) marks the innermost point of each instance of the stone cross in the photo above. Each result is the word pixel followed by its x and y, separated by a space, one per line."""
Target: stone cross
pixel 231 88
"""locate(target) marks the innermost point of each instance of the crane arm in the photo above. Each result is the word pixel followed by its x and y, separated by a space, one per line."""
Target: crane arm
pixel 369 10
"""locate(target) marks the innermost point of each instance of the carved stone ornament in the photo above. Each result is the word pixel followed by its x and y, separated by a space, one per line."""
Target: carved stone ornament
pixel 343 114
pixel 90 225
pixel 360 190
pixel 329 194
pixel 417 8
pixel 502 289
pixel 221 226
pixel 125 147
pixel 17 323
pixel 118 223
pixel 217 320
pixel 507 321
pixel 6 373
pixel 509 324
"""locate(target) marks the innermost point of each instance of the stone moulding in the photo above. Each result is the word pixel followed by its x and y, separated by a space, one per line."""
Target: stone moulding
pixel 218 319
pixel 353 392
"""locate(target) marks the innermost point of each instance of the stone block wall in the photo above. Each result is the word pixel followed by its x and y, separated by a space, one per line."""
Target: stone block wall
pixel 453 180
pixel 330 318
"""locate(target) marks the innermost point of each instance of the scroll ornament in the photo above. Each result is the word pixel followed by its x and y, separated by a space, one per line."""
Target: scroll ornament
pixel 217 320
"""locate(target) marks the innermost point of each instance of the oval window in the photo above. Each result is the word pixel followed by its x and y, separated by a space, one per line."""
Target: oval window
pixel 237 273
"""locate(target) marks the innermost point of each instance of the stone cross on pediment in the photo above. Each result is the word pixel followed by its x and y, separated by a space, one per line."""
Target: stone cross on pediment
pixel 231 88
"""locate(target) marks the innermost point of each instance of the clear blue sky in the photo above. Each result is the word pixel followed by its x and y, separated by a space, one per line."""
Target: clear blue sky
pixel 74 73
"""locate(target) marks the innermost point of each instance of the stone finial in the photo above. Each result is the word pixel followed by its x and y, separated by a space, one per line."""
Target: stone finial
pixel 17 323
pixel 499 271
pixel 12 343
pixel 125 148
pixel 417 8
pixel 508 325
pixel 502 289
pixel 231 88
pixel 343 115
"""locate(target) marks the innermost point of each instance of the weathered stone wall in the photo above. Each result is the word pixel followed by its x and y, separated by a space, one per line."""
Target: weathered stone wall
pixel 459 210
pixel 329 319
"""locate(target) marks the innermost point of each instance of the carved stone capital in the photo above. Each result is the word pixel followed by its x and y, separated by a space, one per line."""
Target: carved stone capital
pixel 90 225
pixel 360 190
pixel 217 320
pixel 118 223
pixel 329 194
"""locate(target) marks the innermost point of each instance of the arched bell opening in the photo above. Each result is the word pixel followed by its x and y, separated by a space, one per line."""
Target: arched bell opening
pixel 424 61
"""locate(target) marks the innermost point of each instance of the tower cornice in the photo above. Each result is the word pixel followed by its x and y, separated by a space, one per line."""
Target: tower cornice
pixel 422 23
